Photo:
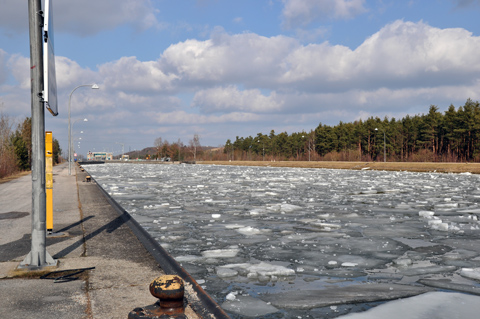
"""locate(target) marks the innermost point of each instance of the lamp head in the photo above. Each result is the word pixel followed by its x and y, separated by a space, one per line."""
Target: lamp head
pixel 95 87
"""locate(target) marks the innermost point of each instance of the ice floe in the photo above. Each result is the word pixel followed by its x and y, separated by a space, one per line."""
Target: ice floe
pixel 438 305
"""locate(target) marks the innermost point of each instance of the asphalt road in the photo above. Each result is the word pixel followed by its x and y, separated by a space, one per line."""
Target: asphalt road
pixel 88 234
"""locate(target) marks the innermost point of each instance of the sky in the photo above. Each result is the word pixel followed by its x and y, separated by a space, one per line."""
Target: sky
pixel 223 68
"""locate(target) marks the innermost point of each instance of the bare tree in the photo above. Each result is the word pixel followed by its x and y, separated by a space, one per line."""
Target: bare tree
pixel 166 150
pixel 7 152
pixel 311 143
pixel 158 145
pixel 195 146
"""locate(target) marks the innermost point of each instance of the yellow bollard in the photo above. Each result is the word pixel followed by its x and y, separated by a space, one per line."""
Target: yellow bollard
pixel 49 179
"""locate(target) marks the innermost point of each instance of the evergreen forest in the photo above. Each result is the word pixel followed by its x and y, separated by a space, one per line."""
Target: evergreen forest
pixel 452 136
pixel 16 146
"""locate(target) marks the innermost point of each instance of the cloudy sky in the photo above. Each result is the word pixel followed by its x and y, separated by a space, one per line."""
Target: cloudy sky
pixel 224 68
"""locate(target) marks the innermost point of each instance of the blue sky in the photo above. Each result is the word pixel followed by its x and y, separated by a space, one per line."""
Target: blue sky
pixel 222 69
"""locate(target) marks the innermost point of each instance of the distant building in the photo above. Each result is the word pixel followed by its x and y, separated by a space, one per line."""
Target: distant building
pixel 99 156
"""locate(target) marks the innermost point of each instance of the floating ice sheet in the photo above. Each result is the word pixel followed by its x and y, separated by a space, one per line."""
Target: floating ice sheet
pixel 472 273
pixel 262 269
pixel 247 306
pixel 307 299
pixel 438 305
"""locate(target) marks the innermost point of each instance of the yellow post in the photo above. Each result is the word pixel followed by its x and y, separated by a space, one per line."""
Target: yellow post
pixel 49 179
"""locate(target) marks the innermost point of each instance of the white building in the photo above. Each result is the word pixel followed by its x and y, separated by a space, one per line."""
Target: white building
pixel 99 156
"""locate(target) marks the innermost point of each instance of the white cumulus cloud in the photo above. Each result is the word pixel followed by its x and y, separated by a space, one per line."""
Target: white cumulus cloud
pixel 230 99
pixel 69 74
pixel 402 54
pixel 131 75
pixel 227 58
pixel 20 69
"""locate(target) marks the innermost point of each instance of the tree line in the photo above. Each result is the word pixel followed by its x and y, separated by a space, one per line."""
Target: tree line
pixel 16 146
pixel 452 136
pixel 176 151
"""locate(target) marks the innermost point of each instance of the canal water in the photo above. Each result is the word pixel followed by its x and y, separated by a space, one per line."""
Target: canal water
pixel 311 243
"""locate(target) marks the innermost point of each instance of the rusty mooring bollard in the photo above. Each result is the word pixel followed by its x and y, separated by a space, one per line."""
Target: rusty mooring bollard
pixel 169 290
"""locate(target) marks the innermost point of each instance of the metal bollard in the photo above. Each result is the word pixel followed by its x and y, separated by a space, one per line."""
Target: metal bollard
pixel 88 179
pixel 169 289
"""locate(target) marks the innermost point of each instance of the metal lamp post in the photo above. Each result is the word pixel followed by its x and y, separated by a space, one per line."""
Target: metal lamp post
pixel 70 148
pixel 384 146
pixel 303 136
pixel 263 157
pixel 123 149
pixel 263 150
pixel 309 148
pixel 93 86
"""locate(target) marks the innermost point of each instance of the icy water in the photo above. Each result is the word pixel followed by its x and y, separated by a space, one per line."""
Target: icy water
pixel 307 243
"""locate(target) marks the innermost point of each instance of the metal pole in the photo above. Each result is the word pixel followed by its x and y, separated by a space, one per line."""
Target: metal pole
pixel 309 146
pixel 94 86
pixel 70 136
pixel 38 256
pixel 70 130
pixel 384 153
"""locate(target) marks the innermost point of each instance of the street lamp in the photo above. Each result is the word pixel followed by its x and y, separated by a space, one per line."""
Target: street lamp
pixel 263 158
pixel 70 149
pixel 303 136
pixel 123 150
pixel 384 147
pixel 93 86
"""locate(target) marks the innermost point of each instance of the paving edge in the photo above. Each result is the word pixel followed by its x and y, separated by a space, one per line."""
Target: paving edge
pixel 201 302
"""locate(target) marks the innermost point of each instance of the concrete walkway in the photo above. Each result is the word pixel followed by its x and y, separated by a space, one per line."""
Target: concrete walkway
pixel 93 236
